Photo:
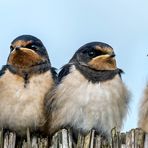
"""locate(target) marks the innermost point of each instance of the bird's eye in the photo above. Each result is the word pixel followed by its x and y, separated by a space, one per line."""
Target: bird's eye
pixel 91 54
pixel 34 47
pixel 11 48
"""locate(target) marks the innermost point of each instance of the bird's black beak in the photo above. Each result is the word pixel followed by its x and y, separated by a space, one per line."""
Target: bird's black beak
pixel 112 54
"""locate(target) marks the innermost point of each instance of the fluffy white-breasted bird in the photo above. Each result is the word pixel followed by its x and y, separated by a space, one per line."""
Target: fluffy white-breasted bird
pixel 90 93
pixel 24 82
pixel 143 112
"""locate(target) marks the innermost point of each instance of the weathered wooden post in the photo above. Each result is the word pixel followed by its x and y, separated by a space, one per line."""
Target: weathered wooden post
pixel 135 138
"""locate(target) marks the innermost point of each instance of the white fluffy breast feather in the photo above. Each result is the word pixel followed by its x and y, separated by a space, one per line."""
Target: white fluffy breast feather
pixel 22 107
pixel 85 105
pixel 143 112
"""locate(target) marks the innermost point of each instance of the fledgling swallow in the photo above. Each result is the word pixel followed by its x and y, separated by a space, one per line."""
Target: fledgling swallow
pixel 24 82
pixel 90 93
pixel 143 112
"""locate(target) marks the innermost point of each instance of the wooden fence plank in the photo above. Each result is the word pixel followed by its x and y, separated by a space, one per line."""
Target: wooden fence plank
pixel 116 139
pixel 132 133
pixel 6 140
pixel 146 141
pixel 87 140
pixel 123 140
pixel 80 142
pixel 12 140
pixel 34 142
pixel 139 138
pixel 92 141
pixel 1 138
pixel 135 138
pixel 97 142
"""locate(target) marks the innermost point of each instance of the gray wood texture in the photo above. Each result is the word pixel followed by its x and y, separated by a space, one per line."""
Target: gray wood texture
pixel 134 138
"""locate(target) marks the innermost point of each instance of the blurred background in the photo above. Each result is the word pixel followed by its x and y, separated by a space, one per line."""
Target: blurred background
pixel 64 26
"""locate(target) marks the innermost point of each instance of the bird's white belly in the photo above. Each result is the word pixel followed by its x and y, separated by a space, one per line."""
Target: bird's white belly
pixel 96 108
pixel 22 107
pixel 87 105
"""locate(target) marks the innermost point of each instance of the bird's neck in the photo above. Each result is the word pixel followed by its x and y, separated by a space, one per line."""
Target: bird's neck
pixel 27 72
pixel 97 75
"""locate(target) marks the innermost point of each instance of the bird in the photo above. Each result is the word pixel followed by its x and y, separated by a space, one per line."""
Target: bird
pixel 143 111
pixel 24 81
pixel 90 93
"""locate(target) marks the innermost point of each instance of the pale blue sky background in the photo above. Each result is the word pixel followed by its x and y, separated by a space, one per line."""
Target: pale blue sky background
pixel 65 25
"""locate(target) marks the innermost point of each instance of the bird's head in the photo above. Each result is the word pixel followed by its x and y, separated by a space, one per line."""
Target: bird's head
pixel 27 51
pixel 95 55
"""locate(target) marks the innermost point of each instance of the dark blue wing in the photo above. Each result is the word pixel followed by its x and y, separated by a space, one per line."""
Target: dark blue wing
pixel 2 71
pixel 65 70
pixel 120 72
pixel 54 73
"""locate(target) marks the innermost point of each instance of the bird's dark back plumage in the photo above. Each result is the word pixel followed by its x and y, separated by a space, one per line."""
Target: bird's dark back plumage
pixel 2 71
pixel 65 70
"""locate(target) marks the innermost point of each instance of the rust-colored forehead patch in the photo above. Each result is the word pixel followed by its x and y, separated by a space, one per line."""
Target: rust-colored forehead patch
pixel 21 43
pixel 104 49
